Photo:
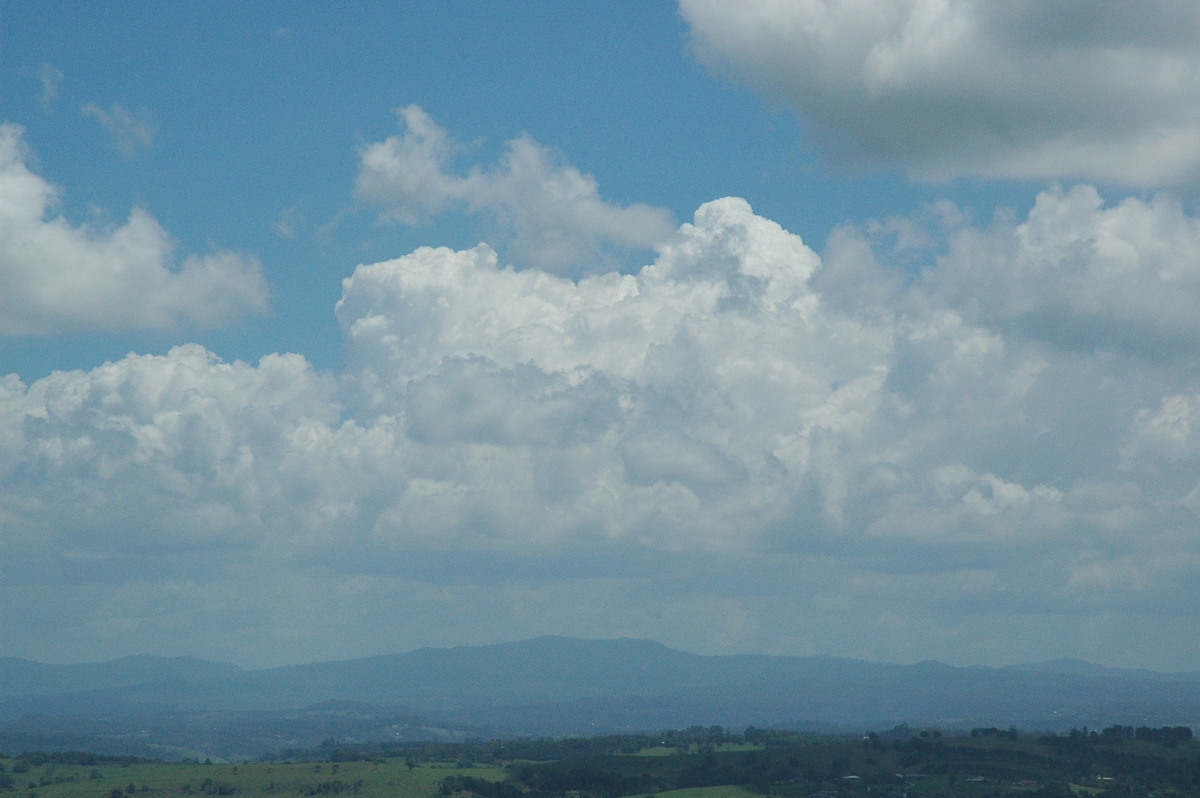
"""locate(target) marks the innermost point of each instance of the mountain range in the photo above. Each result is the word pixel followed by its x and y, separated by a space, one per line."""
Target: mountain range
pixel 550 686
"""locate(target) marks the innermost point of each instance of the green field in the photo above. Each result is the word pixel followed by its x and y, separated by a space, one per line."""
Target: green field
pixel 706 792
pixel 389 778
pixel 694 748
pixel 697 763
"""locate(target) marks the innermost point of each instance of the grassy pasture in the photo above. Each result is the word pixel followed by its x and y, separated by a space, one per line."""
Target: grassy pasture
pixel 707 792
pixel 1075 766
pixel 390 778
pixel 694 748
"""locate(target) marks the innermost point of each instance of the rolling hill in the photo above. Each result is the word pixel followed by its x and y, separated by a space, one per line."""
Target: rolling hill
pixel 557 686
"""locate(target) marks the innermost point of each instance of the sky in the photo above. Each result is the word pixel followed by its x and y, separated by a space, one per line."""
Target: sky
pixel 822 327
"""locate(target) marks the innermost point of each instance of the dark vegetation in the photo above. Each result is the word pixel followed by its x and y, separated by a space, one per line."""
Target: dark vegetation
pixel 705 762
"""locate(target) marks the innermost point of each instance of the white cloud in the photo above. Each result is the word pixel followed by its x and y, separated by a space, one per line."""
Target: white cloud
pixel 976 87
pixel 56 277
pixel 1079 274
pixel 557 219
pixel 510 449
pixel 155 450
pixel 131 131
pixel 413 311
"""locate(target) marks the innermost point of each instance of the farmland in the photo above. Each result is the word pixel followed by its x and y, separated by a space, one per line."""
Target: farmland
pixel 366 779
pixel 702 762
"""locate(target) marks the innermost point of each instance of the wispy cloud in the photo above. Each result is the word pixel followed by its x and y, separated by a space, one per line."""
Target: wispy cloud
pixel 51 78
pixel 131 131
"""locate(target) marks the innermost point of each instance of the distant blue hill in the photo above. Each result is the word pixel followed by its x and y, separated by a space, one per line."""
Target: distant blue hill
pixel 20 677
pixel 1077 667
pixel 558 685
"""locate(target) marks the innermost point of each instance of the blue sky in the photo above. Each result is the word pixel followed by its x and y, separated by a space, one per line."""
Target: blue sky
pixel 259 112
pixel 256 116
pixel 798 327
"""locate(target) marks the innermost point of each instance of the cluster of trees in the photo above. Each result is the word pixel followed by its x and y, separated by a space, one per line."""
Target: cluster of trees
pixel 538 749
pixel 458 785
pixel 211 787
pixel 37 758
pixel 334 787
pixel 130 789
pixel 1009 734
pixel 1167 735
pixel 787 763
pixel 1076 739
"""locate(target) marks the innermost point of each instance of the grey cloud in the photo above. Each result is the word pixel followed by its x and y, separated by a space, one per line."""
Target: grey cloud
pixel 1165 26
pixel 473 400
pixel 976 87
pixel 1082 275
pixel 653 457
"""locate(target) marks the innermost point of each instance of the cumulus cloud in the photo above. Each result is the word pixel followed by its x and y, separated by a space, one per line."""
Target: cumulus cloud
pixel 1080 274
pixel 1076 272
pixel 976 87
pixel 155 450
pixel 57 277
pixel 130 131
pixel 558 221
pixel 721 435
